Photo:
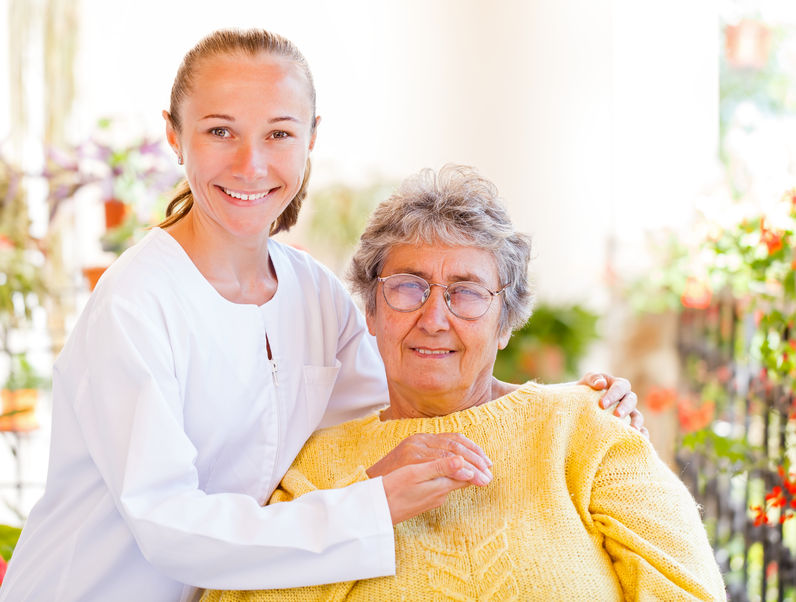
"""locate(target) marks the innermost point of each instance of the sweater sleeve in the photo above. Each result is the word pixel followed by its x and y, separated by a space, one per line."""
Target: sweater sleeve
pixel 651 526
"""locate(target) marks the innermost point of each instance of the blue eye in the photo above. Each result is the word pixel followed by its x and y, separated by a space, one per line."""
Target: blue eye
pixel 468 292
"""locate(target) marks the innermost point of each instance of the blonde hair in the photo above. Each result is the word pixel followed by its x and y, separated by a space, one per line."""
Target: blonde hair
pixel 249 42
pixel 455 207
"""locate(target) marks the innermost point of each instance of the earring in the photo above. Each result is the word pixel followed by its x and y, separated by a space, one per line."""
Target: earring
pixel 179 160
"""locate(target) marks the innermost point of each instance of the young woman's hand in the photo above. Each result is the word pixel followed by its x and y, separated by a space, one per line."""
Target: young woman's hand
pixel 420 471
pixel 619 393
pixel 416 488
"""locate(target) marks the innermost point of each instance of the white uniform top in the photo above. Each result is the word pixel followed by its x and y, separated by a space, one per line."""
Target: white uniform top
pixel 171 427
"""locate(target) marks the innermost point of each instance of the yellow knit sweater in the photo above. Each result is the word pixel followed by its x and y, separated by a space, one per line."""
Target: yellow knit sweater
pixel 580 508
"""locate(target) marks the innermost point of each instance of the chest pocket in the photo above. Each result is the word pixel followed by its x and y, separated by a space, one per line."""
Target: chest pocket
pixel 318 385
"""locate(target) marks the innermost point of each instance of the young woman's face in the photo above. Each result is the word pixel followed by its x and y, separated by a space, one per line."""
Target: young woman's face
pixel 245 135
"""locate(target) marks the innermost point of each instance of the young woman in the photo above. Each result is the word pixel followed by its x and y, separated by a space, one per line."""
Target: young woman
pixel 205 358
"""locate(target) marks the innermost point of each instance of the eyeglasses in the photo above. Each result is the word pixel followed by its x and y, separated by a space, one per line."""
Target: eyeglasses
pixel 466 300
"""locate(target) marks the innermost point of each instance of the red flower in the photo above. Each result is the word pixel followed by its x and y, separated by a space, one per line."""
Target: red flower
pixel 771 238
pixel 693 418
pixel 761 517
pixel 660 399
pixel 696 294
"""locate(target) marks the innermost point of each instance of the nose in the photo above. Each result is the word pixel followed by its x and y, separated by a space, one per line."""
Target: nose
pixel 251 160
pixel 434 312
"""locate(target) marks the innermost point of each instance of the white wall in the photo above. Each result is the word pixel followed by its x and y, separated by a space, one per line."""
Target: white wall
pixel 594 117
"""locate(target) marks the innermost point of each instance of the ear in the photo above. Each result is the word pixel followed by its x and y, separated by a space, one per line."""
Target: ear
pixel 171 133
pixel 314 132
pixel 504 337
pixel 370 320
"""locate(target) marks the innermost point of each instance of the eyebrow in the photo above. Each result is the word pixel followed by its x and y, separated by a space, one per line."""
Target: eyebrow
pixel 231 118
pixel 466 277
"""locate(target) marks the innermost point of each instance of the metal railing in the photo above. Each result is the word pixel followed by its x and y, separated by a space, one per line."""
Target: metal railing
pixel 731 463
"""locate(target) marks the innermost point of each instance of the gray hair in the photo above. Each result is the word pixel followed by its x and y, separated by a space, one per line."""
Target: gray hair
pixel 455 207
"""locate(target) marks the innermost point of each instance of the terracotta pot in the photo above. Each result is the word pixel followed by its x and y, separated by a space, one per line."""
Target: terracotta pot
pixel 747 44
pixel 92 275
pixel 115 212
pixel 19 410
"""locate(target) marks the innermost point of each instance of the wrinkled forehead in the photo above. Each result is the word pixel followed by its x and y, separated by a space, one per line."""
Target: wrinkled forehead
pixel 442 263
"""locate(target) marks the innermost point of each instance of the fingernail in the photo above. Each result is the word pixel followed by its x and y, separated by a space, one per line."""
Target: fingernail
pixel 600 381
pixel 620 412
pixel 485 478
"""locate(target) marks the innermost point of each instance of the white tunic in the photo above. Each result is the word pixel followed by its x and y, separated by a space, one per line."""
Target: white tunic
pixel 171 427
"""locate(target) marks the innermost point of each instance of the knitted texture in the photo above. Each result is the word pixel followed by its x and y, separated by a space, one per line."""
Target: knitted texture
pixel 580 508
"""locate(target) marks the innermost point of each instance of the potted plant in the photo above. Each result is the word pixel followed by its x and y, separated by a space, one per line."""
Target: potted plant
pixel 549 346
pixel 129 179
pixel 20 395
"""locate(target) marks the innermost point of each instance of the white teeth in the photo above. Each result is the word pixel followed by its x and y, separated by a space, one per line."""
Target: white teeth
pixel 245 197
pixel 431 352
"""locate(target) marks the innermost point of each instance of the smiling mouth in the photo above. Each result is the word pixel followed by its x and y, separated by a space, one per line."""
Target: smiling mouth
pixel 246 197
pixel 432 352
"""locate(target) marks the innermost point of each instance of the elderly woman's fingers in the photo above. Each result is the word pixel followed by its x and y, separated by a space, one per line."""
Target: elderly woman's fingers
pixel 414 489
pixel 423 447
pixel 458 444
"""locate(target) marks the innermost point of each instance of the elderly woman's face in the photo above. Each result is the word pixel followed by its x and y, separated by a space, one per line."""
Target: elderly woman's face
pixel 436 362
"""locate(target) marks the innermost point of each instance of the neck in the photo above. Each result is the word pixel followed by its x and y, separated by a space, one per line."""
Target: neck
pixel 428 404
pixel 239 268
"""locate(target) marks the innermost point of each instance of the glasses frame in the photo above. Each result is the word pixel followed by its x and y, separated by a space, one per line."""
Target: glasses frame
pixel 445 294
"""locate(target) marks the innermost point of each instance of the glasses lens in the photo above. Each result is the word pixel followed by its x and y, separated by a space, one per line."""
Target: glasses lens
pixel 468 299
pixel 405 292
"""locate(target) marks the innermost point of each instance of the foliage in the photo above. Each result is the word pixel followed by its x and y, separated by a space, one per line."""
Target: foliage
pixel 22 375
pixel 340 213
pixel 549 346
pixel 8 540
pixel 737 295
pixel 139 174
pixel 21 282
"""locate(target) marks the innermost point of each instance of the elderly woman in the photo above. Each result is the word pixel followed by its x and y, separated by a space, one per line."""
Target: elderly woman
pixel 580 506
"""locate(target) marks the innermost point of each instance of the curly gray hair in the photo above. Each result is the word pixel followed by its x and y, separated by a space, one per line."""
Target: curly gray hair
pixel 455 207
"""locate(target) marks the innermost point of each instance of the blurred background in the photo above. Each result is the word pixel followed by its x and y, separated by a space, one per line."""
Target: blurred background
pixel 647 147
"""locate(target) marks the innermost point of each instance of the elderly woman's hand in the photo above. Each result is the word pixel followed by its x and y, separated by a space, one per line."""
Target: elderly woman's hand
pixel 424 447
pixel 620 394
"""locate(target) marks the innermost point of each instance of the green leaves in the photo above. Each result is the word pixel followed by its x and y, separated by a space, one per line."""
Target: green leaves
pixel 8 540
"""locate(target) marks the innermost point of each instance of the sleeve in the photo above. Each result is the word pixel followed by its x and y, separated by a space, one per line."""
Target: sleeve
pixel 361 385
pixel 651 526
pixel 129 407
pixel 294 484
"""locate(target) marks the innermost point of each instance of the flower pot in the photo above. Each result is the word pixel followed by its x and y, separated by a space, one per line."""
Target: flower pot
pixel 115 212
pixel 747 44
pixel 19 410
pixel 92 275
